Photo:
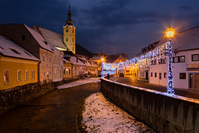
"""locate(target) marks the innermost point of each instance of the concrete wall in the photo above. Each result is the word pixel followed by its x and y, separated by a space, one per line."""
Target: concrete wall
pixel 161 112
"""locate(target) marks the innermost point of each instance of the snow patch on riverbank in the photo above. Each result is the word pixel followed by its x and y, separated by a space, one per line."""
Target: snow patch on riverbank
pixel 100 115
pixel 79 82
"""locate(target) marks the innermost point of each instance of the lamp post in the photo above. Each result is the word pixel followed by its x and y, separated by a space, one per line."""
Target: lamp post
pixel 170 33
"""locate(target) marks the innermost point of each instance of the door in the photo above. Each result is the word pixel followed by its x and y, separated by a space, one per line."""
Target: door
pixel 196 82
pixel 147 78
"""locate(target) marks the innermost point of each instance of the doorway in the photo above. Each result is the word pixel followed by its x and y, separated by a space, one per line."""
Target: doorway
pixel 194 80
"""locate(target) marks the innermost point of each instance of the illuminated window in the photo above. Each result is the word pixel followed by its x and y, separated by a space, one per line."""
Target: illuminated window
pixel 178 59
pixel 26 75
pixel 18 75
pixel 6 76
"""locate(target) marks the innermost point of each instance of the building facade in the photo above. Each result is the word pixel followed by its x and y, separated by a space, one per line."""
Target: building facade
pixel 17 65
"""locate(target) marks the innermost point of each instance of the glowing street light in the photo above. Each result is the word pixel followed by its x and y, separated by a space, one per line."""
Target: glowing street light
pixel 170 33
pixel 102 59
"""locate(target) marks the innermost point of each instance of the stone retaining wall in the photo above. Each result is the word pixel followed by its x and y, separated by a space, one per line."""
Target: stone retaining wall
pixel 12 97
pixel 168 114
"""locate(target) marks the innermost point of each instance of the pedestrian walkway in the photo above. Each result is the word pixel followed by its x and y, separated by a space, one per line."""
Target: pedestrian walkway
pixel 145 84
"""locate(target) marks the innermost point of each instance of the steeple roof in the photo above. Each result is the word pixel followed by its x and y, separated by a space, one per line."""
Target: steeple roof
pixel 69 21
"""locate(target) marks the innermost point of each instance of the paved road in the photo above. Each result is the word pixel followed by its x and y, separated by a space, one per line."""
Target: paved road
pixel 145 84
pixel 53 112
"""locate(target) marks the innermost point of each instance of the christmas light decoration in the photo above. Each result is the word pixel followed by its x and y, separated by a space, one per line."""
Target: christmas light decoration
pixel 170 75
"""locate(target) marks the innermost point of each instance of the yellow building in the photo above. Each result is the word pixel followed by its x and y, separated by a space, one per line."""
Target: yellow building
pixel 17 66
pixel 69 33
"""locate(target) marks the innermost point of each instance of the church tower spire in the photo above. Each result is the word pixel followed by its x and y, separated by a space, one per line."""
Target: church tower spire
pixel 69 33
pixel 69 21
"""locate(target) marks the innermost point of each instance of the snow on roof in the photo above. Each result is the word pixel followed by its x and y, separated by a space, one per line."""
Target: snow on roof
pixel 52 37
pixel 66 61
pixel 39 39
pixel 185 40
pixel 9 48
pixel 75 61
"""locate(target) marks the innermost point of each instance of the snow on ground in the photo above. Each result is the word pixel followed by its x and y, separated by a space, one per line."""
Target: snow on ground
pixel 79 82
pixel 102 116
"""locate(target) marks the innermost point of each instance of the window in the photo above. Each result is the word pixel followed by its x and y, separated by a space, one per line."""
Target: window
pixel 165 75
pixel 160 75
pixel 178 59
pixel 182 75
pixel 73 39
pixel 23 37
pixel 68 71
pixel 6 76
pixel 66 30
pixel 26 75
pixel 153 62
pixel 73 31
pixel 18 75
pixel 182 59
pixel 67 39
pixel 43 58
pixel 49 60
pixel 162 61
pixel 155 74
pixel 33 74
pixel 195 57
pixel 1 48
pixel 151 74
pixel 15 51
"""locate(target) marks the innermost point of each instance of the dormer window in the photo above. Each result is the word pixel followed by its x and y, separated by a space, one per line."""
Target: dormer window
pixel 46 42
pixel 1 48
pixel 23 37
pixel 15 51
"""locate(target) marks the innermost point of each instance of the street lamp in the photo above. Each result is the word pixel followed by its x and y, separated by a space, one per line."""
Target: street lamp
pixel 170 33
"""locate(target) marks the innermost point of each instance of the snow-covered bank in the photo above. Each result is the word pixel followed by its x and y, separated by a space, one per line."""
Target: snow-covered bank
pixel 79 82
pixel 102 116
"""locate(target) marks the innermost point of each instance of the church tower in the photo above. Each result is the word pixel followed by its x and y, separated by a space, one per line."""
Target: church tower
pixel 69 33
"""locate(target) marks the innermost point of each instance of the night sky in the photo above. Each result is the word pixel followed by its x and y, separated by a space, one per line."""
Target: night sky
pixel 110 26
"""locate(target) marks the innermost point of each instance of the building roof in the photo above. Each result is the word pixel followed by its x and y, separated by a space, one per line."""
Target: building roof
pixel 40 40
pixel 53 38
pixel 114 59
pixel 11 49
pixel 74 60
pixel 185 40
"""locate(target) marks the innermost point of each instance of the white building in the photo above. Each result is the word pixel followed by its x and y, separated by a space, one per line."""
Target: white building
pixel 185 61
